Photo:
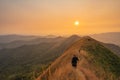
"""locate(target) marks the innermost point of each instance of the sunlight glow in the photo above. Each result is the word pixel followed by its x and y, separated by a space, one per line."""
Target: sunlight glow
pixel 76 23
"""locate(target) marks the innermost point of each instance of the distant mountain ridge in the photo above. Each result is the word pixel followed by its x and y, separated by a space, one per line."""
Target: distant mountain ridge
pixel 15 37
pixel 111 37
pixel 36 40
pixel 19 40
pixel 10 38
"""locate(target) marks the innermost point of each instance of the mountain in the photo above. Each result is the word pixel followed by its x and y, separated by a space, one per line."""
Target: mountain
pixel 10 38
pixel 50 36
pixel 96 62
pixel 32 40
pixel 37 40
pixel 112 37
pixel 26 62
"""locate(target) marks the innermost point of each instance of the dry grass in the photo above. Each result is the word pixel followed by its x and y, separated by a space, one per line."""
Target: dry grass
pixel 62 69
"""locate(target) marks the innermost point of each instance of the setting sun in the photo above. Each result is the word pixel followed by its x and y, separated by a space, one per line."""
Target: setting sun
pixel 76 23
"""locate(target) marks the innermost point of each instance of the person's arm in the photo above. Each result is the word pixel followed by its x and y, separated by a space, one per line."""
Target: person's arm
pixel 77 59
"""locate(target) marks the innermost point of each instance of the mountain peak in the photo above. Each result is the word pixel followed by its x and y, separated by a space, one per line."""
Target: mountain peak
pixel 85 41
pixel 74 36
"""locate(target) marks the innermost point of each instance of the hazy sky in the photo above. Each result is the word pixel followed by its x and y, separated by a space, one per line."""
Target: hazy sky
pixel 44 17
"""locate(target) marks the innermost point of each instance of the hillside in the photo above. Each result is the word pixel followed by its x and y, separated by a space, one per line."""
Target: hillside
pixel 114 48
pixel 28 61
pixel 111 37
pixel 96 62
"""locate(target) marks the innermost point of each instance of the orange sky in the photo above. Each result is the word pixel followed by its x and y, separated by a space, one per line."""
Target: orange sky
pixel 45 17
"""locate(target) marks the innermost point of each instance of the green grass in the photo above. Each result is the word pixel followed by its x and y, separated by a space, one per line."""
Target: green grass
pixel 102 57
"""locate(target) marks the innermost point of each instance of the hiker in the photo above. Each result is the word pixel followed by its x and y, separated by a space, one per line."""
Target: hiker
pixel 74 61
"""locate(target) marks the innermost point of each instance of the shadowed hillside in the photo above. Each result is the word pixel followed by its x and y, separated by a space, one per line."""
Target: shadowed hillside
pixel 28 61
pixel 95 63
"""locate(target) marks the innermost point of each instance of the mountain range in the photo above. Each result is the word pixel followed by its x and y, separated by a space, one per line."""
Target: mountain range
pixel 27 57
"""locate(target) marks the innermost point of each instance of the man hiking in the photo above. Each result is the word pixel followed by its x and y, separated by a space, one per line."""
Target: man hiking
pixel 74 61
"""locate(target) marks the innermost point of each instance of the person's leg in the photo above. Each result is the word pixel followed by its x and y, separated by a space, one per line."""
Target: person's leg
pixel 74 65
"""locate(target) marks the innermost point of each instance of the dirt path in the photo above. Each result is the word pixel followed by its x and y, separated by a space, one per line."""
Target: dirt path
pixel 67 72
pixel 80 75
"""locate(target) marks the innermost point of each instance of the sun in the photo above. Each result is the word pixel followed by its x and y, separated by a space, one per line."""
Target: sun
pixel 76 23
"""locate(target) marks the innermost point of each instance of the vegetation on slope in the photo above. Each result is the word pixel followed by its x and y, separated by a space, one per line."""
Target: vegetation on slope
pixel 96 61
pixel 100 56
pixel 28 61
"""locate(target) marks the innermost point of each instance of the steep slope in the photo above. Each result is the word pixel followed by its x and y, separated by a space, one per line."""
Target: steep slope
pixel 95 63
pixel 27 61
pixel 114 48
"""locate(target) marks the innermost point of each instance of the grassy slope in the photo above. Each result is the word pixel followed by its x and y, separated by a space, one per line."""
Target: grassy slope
pixel 101 57
pixel 96 61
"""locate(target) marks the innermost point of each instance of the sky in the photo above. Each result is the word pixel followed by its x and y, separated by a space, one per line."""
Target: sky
pixel 57 17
